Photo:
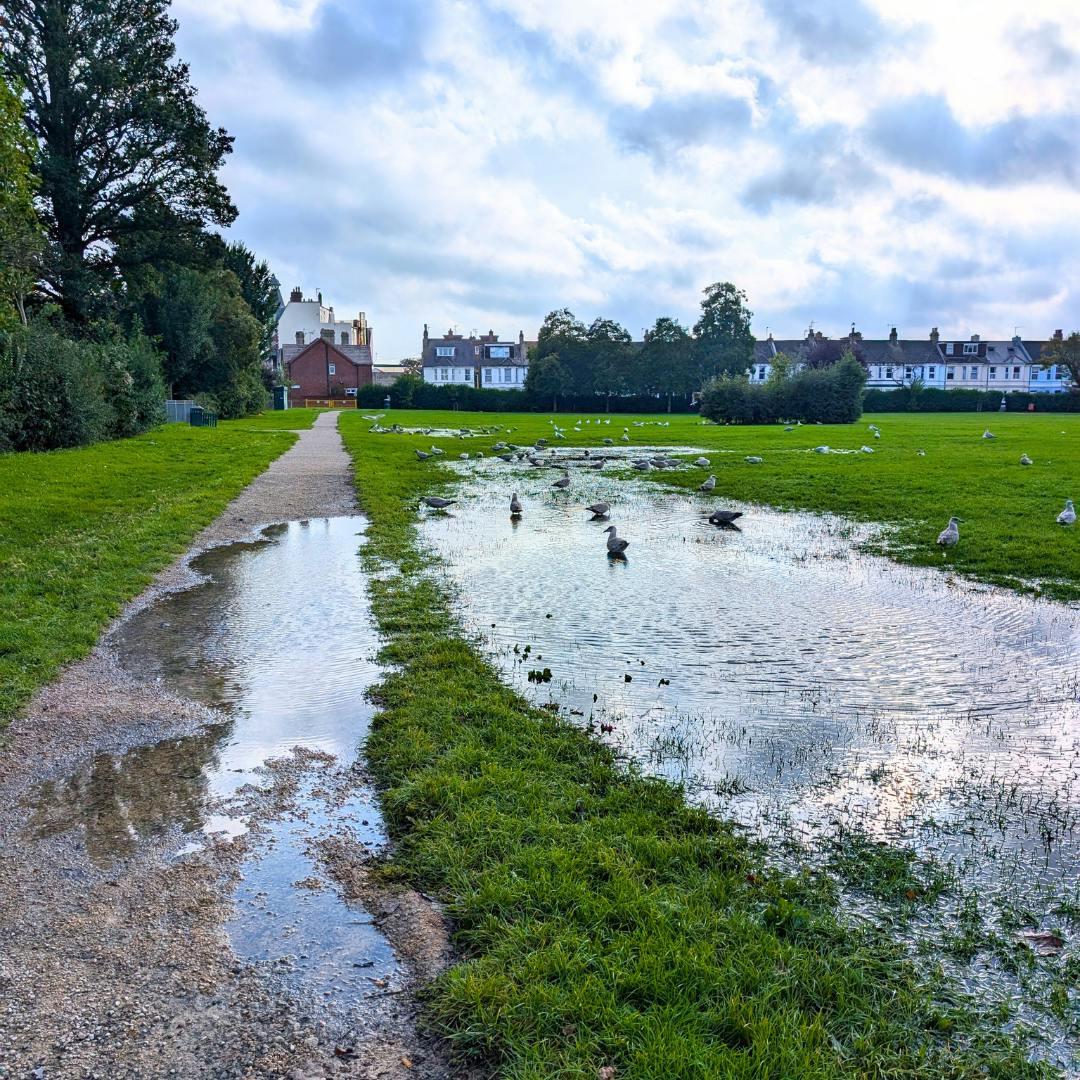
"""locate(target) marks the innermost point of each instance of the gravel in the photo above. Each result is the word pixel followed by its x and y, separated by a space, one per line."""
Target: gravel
pixel 123 969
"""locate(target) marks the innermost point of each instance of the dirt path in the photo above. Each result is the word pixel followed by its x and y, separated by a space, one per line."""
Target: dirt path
pixel 125 969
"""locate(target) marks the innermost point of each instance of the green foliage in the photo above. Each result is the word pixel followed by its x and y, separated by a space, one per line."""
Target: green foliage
pixel 1064 353
pixel 725 344
pixel 603 922
pixel 667 363
pixel 259 290
pixel 117 130
pixel 82 531
pixel 934 399
pixel 547 379
pixel 831 395
pixel 56 392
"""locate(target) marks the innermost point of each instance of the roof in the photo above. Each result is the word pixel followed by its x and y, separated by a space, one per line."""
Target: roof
pixel 354 354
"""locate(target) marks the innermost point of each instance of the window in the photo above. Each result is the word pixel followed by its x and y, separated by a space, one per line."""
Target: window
pixel 476 350
pixel 331 369
pixel 444 374
pixel 761 372
pixel 932 372
pixel 907 371
pixel 499 352
pixel 487 374
pixel 468 374
pixel 993 372
pixel 327 335
pixel 344 338
pixel 950 373
pixel 299 337
pixel 444 350
pixel 888 373
pixel 971 348
pixel 949 349
pixel 974 371
pixel 508 375
pixel 1016 372
pixel 963 372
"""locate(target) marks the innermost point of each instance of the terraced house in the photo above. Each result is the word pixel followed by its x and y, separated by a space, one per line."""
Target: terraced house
pixel 482 361
pixel 946 363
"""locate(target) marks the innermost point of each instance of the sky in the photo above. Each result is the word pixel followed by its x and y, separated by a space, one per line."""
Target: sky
pixel 478 163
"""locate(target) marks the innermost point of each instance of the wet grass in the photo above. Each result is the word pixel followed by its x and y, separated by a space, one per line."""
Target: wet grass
pixel 83 531
pixel 1009 535
pixel 604 923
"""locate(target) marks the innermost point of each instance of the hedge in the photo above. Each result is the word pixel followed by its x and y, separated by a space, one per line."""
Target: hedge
pixel 931 399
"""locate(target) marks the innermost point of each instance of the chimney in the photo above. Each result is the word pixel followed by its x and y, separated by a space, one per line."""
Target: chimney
pixel 425 335
pixel 934 335
pixel 974 337
pixel 893 336
pixel 296 296
pixel 1059 335
pixel 319 294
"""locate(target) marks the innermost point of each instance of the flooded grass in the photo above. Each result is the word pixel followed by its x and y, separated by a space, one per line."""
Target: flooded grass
pixel 606 922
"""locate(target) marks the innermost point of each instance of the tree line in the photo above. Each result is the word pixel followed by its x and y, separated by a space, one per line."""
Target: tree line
pixel 115 286
pixel 572 360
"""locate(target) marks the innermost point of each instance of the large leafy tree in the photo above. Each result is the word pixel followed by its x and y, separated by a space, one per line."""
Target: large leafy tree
pixel 610 354
pixel 566 337
pixel 725 344
pixel 547 378
pixel 667 363
pixel 259 288
pixel 118 130
pixel 20 230
pixel 1065 352
pixel 823 352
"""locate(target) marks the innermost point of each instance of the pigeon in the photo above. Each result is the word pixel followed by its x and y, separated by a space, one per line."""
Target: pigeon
pixel 601 509
pixel 563 482
pixel 702 462
pixel 515 504
pixel 1025 460
pixel 753 459
pixel 988 434
pixel 437 503
pixel 709 484
pixel 615 546
pixel 950 535
pixel 1068 515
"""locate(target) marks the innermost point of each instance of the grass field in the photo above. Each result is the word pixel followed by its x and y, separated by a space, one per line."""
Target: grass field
pixel 82 531
pixel 1009 535
pixel 605 924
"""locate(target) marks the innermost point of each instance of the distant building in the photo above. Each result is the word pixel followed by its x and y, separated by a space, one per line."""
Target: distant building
pixel 301 322
pixel 388 374
pixel 325 373
pixel 948 364
pixel 482 361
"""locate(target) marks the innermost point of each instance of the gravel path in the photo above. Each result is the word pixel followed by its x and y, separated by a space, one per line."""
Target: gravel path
pixel 124 970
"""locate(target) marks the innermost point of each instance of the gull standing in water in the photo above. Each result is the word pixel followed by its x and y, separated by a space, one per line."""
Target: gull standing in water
pixel 437 503
pixel 601 509
pixel 615 546
pixel 563 482
pixel 515 505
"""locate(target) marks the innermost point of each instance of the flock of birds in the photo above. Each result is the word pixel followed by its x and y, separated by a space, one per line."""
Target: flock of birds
pixel 948 537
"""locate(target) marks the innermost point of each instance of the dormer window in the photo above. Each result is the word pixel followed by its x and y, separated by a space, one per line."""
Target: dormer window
pixel 949 349
pixel 971 348
pixel 444 350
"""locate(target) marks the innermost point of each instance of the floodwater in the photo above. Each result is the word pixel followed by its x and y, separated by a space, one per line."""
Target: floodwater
pixel 797 686
pixel 280 639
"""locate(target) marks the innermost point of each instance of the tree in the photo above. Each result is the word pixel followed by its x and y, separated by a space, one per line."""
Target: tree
pixel 666 364
pixel 823 352
pixel 608 354
pixel 564 336
pixel 117 128
pixel 1065 352
pixel 20 231
pixel 722 333
pixel 259 288
pixel 547 378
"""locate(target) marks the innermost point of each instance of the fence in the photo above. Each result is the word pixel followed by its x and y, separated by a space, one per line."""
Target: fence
pixel 178 412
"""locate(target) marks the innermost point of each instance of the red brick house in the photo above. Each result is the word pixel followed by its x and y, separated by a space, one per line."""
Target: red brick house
pixel 324 371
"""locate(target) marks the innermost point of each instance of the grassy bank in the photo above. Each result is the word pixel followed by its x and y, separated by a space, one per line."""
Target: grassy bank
pixel 1008 537
pixel 603 922
pixel 82 531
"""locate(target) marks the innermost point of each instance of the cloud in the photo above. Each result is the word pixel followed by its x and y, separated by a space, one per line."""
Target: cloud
pixel 669 125
pixel 831 29
pixel 922 133
pixel 1045 46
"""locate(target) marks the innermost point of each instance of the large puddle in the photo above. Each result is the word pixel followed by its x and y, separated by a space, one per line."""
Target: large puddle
pixel 280 639
pixel 810 692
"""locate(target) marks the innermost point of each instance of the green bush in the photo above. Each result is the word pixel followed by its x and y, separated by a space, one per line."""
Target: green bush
pixel 57 392
pixel 933 399
pixel 831 395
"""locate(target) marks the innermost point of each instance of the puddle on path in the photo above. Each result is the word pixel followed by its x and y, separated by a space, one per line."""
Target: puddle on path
pixel 808 691
pixel 280 639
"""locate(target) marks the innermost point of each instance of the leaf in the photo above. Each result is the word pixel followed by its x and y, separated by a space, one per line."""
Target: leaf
pixel 1041 942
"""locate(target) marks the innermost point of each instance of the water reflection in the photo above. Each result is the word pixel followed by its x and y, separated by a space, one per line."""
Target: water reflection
pixel 280 639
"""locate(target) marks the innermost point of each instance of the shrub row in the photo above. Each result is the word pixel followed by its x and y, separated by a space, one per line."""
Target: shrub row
pixel 56 392
pixel 831 395
pixel 411 392
pixel 932 399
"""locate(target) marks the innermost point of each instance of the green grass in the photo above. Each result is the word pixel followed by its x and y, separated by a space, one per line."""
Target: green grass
pixel 601 920
pixel 82 531
pixel 1009 536
pixel 286 420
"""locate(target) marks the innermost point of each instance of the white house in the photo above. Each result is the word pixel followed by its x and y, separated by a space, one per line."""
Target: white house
pixel 481 361
pixel 302 321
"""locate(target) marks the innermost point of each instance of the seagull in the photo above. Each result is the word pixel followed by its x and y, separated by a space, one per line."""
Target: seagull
pixel 609 442
pixel 643 466
pixel 788 427
pixel 563 481
pixel 921 453
pixel 753 459
pixel 988 434
pixel 877 434
pixel 437 451
pixel 1025 460
pixel 625 437
pixel 464 457
pixel 515 504
pixel 950 535
pixel 421 456
pixel 377 416
pixel 709 484
pixel 1068 515
pixel 821 450
pixel 702 462
pixel 506 457
pixel 873 427
pixel 597 463
pixel 724 518
pixel 615 546
pixel 866 449
pixel 601 509
pixel 436 503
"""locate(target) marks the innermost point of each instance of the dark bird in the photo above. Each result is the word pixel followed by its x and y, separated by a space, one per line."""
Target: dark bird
pixel 515 504
pixel 437 503
pixel 615 546
pixel 599 509
pixel 563 482
pixel 724 517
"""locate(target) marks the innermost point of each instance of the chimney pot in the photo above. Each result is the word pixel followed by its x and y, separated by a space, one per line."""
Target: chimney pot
pixel 934 335
pixel 1059 335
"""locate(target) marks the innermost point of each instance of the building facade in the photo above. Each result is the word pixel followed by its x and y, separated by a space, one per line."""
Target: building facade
pixel 301 322
pixel 481 361
pixel 944 363
pixel 323 371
